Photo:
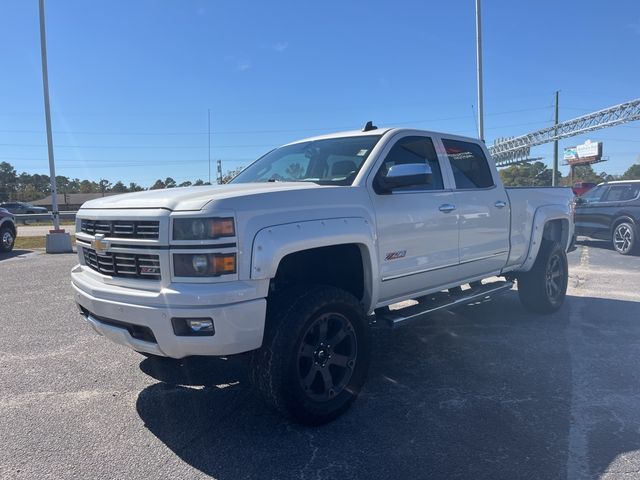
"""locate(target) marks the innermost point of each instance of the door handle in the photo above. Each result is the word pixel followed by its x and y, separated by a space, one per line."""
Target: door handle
pixel 447 207
pixel 500 204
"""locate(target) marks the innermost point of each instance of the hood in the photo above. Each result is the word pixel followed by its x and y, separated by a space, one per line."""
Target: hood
pixel 190 198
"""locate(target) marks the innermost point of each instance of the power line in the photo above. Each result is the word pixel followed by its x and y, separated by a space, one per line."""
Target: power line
pixel 285 130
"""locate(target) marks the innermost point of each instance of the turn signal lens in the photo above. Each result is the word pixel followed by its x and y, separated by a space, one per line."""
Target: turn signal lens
pixel 225 263
pixel 222 227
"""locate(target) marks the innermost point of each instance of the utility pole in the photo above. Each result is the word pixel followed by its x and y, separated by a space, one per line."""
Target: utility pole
pixel 555 145
pixel 479 70
pixel 220 172
pixel 47 117
pixel 209 137
pixel 56 241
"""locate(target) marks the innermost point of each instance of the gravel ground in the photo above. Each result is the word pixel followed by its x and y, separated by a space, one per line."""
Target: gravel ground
pixel 487 391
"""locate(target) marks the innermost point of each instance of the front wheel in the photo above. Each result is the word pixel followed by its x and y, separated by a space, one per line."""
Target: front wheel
pixel 624 238
pixel 315 354
pixel 7 239
pixel 543 288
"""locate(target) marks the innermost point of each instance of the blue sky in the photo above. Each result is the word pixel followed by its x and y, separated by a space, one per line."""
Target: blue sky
pixel 131 81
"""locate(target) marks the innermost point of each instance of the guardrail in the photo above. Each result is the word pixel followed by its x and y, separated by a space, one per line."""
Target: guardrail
pixel 43 217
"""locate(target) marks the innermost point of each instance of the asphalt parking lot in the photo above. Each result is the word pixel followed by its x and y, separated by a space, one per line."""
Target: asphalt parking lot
pixel 488 391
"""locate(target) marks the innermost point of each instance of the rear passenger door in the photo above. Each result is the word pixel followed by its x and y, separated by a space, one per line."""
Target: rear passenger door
pixel 483 209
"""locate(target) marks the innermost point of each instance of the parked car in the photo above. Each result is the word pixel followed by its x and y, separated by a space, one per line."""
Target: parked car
pixel 580 188
pixel 22 208
pixel 293 258
pixel 8 230
pixel 611 211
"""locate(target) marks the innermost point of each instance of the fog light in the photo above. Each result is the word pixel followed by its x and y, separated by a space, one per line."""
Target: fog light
pixel 192 327
pixel 200 325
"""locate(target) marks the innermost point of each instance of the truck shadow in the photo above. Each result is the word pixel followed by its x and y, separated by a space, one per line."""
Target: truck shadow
pixel 487 391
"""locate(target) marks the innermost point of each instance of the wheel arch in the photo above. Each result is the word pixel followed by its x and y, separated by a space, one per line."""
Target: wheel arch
pixel 321 251
pixel 621 219
pixel 550 223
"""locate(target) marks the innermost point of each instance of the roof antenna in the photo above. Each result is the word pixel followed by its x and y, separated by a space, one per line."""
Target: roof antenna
pixel 369 126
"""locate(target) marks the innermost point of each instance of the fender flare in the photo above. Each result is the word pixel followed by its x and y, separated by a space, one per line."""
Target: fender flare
pixel 272 244
pixel 544 215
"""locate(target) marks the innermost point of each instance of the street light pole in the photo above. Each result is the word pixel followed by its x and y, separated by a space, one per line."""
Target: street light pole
pixel 479 70
pixel 57 241
pixel 47 115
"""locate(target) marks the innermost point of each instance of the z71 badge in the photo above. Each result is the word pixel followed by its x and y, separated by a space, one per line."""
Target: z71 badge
pixel 395 255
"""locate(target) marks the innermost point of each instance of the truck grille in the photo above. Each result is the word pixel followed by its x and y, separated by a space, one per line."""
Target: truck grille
pixel 146 229
pixel 128 265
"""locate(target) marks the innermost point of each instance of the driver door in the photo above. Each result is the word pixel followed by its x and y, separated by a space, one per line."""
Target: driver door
pixel 417 224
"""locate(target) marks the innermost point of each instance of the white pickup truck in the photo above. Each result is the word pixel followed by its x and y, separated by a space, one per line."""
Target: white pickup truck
pixel 297 256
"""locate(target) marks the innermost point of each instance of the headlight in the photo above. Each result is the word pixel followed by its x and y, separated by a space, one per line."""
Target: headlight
pixel 203 228
pixel 203 264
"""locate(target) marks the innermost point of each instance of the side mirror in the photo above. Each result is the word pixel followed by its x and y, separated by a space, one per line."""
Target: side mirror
pixel 580 201
pixel 405 175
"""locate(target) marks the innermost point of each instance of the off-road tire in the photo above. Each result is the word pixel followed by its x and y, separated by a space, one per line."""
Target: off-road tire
pixel 543 288
pixel 294 345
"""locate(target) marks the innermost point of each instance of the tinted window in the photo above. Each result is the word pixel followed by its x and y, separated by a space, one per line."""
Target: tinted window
pixel 620 193
pixel 415 150
pixel 594 194
pixel 469 164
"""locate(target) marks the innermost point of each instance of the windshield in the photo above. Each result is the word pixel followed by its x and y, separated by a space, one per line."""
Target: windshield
pixel 334 161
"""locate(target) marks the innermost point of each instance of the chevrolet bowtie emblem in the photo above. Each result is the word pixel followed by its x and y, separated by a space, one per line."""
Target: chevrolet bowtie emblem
pixel 99 244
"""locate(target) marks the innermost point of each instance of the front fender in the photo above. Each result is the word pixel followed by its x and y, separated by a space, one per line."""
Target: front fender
pixel 272 244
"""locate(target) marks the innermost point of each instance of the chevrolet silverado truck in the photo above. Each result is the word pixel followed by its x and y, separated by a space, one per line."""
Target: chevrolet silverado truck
pixel 296 258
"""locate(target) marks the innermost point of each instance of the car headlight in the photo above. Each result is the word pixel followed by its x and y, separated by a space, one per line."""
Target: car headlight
pixel 203 228
pixel 203 264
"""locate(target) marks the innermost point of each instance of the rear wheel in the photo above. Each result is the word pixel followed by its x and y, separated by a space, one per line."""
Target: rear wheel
pixel 625 238
pixel 543 288
pixel 7 238
pixel 315 354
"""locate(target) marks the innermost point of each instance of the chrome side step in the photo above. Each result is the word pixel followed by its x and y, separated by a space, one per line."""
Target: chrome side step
pixel 442 301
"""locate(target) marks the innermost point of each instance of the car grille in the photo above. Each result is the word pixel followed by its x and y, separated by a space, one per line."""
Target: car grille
pixel 121 228
pixel 129 265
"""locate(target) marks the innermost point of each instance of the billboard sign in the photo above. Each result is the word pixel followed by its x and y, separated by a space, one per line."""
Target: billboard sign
pixel 570 153
pixel 587 152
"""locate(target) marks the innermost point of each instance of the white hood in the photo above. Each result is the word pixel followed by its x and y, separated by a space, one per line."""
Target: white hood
pixel 189 198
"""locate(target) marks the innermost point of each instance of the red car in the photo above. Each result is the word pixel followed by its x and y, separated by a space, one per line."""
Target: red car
pixel 580 188
pixel 7 231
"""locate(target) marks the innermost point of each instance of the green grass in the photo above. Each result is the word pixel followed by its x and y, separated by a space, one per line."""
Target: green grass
pixel 34 243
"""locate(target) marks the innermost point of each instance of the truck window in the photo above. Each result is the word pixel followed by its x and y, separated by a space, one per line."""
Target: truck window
pixel 415 150
pixel 469 164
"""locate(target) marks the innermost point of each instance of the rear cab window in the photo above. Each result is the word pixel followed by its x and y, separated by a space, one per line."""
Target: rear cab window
pixel 469 165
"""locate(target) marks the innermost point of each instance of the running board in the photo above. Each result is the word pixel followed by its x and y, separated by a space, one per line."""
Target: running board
pixel 442 301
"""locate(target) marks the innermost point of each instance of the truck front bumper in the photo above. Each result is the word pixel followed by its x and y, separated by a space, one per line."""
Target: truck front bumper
pixel 141 319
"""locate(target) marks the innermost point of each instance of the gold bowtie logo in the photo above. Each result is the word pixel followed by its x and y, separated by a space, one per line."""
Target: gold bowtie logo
pixel 99 244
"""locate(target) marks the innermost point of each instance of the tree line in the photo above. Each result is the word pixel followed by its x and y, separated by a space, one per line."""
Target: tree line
pixel 537 174
pixel 25 187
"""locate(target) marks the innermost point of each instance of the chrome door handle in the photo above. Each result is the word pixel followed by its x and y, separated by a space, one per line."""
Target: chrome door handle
pixel 500 204
pixel 447 207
